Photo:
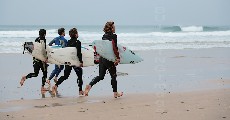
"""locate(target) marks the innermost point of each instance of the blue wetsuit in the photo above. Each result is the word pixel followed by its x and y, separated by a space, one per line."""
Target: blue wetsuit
pixel 60 41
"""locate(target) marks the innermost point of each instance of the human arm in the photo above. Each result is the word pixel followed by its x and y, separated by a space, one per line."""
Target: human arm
pixel 79 54
pixel 51 42
pixel 115 49
pixel 46 52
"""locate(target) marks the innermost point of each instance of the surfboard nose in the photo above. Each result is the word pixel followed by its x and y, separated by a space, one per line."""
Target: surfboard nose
pixel 29 46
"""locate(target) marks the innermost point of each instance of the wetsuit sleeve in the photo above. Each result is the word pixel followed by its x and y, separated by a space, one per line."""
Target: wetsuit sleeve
pixel 45 43
pixel 115 48
pixel 37 39
pixel 51 42
pixel 34 59
pixel 79 54
pixel 45 48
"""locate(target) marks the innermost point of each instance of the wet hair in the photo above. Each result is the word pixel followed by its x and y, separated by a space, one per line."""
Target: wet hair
pixel 108 28
pixel 73 32
pixel 42 32
pixel 61 30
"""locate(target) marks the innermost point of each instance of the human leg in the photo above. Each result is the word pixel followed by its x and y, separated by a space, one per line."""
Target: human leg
pixel 67 72
pixel 113 74
pixel 44 71
pixel 79 73
pixel 102 72
pixel 30 75
pixel 61 67
pixel 56 68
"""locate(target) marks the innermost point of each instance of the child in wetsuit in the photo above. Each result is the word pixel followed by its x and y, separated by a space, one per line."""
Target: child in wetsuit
pixel 60 41
pixel 38 64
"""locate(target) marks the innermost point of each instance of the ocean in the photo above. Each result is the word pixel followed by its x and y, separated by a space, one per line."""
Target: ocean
pixel 135 38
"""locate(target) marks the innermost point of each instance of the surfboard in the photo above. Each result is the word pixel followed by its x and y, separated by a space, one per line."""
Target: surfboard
pixel 68 56
pixel 104 48
pixel 35 49
pixel 38 51
pixel 58 55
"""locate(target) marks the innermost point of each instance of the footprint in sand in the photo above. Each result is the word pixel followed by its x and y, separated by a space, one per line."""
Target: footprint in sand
pixel 122 74
pixel 44 106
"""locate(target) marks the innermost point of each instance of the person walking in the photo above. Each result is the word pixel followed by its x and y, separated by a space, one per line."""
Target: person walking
pixel 60 41
pixel 38 64
pixel 105 64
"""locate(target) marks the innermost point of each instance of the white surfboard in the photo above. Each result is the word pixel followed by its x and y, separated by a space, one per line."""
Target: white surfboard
pixel 104 48
pixel 38 51
pixel 58 55
pixel 68 56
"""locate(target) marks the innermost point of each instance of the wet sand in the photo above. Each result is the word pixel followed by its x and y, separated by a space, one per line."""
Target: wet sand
pixel 199 105
pixel 168 84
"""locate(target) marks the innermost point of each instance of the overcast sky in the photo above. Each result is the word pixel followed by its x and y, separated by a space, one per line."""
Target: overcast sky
pixel 123 12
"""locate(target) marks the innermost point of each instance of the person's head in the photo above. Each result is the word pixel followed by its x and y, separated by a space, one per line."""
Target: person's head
pixel 61 31
pixel 109 27
pixel 73 33
pixel 42 32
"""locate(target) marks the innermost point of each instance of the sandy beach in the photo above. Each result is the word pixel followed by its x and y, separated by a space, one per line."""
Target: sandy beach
pixel 202 105
pixel 188 84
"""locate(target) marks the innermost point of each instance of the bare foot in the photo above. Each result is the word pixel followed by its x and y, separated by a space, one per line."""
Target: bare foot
pixel 87 89
pixel 48 82
pixel 81 92
pixel 54 90
pixel 55 79
pixel 43 89
pixel 22 80
pixel 116 94
pixel 43 94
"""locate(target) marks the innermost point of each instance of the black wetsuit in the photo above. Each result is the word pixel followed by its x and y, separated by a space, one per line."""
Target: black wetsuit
pixel 38 64
pixel 105 64
pixel 73 42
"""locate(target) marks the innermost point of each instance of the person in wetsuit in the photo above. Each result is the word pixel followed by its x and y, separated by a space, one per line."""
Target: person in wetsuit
pixel 73 42
pixel 60 41
pixel 38 64
pixel 105 64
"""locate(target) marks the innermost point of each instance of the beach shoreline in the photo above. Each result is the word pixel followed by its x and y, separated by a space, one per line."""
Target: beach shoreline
pixel 168 84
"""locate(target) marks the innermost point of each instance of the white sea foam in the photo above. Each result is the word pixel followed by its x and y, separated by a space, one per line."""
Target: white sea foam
pixel 189 37
pixel 192 29
pixel 85 34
